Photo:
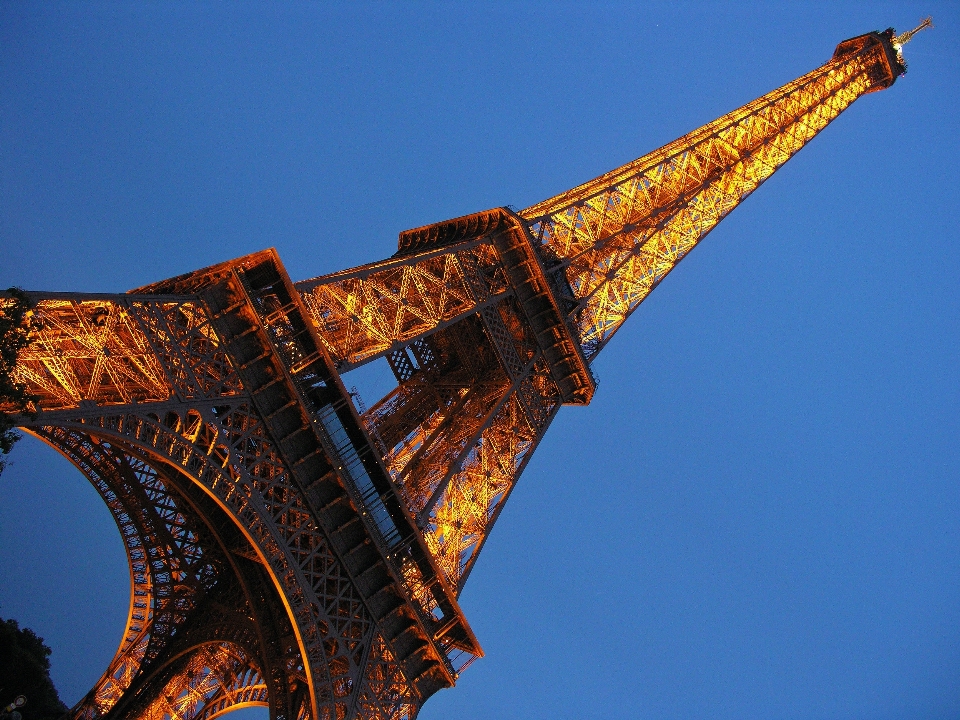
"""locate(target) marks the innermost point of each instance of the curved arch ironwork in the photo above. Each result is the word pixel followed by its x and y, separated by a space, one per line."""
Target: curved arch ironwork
pixel 224 450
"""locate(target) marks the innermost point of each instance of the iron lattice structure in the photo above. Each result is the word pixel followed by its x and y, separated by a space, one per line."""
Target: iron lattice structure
pixel 287 549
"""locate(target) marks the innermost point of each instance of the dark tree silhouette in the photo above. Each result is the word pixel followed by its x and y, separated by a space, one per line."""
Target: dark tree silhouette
pixel 25 670
pixel 14 398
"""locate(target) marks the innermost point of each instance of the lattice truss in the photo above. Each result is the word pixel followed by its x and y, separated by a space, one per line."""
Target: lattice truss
pixel 624 231
pixel 118 350
pixel 365 312
pixel 456 433
pixel 462 516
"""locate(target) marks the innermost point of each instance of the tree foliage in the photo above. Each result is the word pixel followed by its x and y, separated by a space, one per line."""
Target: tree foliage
pixel 13 395
pixel 25 670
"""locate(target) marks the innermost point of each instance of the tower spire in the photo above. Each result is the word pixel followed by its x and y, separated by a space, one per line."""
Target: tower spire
pixel 903 38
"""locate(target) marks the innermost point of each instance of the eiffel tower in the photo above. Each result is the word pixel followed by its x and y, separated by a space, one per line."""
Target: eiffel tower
pixel 291 549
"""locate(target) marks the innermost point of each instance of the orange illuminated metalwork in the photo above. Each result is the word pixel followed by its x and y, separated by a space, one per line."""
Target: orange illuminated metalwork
pixel 293 549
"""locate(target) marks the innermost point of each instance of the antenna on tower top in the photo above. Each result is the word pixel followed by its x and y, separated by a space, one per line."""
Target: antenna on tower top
pixel 903 38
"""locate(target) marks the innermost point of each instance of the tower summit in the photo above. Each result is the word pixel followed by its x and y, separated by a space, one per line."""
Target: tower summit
pixel 291 550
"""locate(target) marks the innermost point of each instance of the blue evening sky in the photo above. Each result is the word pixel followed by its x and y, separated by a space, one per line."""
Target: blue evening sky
pixel 759 514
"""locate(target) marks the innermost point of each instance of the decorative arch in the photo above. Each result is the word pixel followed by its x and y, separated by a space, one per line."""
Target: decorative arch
pixel 213 679
pixel 224 449
pixel 168 566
